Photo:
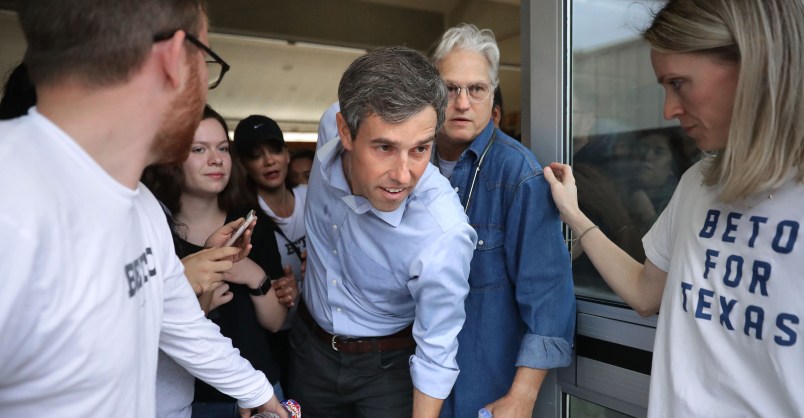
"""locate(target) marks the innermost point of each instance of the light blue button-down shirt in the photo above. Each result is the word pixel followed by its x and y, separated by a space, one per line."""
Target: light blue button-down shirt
pixel 372 273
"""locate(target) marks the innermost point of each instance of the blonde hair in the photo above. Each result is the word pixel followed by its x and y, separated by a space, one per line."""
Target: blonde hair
pixel 766 39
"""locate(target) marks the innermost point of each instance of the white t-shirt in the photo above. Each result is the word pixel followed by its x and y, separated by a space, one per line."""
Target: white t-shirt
pixel 729 336
pixel 90 287
pixel 446 167
pixel 293 228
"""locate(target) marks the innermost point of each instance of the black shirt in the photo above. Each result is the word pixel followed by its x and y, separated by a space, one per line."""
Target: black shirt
pixel 238 318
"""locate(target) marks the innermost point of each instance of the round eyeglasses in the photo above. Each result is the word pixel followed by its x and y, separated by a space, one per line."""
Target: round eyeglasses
pixel 476 92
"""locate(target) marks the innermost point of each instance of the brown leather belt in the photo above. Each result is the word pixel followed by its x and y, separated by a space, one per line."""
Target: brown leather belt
pixel 354 345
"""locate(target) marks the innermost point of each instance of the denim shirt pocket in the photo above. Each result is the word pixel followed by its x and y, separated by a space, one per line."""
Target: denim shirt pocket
pixel 488 262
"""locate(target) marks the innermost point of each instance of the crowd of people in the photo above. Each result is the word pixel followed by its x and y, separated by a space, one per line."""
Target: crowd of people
pixel 412 266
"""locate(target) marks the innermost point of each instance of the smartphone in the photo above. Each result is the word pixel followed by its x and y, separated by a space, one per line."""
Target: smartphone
pixel 242 228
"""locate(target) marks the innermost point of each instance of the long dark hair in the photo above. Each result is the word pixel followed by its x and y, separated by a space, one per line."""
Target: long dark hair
pixel 167 182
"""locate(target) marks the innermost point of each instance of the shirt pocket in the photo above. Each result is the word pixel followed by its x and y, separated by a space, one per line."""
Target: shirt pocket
pixel 488 263
pixel 370 278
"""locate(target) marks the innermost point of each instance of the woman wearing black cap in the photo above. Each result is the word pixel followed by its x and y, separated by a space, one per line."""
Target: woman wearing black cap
pixel 262 150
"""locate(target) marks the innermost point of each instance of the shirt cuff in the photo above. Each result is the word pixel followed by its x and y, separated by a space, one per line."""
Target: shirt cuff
pixel 262 396
pixel 432 380
pixel 538 352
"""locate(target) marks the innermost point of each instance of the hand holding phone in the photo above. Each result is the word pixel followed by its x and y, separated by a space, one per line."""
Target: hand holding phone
pixel 242 228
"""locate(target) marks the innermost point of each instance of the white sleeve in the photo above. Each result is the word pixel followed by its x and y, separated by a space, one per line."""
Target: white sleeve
pixel 196 344
pixel 658 241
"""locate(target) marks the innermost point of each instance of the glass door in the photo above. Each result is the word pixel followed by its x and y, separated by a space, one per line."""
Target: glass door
pixel 626 158
pixel 627 161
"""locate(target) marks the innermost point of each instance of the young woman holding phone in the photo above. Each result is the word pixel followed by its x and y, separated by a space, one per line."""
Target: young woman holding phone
pixel 203 193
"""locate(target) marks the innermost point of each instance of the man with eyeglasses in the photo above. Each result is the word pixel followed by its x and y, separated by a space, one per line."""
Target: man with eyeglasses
pixel 520 312
pixel 90 286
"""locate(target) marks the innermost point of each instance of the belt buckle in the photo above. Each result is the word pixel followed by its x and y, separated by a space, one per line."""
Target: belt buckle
pixel 333 343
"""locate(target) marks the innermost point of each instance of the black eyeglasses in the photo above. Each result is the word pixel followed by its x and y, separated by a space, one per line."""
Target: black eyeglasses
pixel 216 66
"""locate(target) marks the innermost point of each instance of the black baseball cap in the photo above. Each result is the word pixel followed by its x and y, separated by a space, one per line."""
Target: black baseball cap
pixel 257 130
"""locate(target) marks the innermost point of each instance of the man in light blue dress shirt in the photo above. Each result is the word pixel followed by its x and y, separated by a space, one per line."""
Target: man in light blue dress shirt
pixel 389 249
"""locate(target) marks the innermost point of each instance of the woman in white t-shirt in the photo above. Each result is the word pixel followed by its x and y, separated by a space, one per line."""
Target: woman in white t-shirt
pixel 723 260
pixel 262 150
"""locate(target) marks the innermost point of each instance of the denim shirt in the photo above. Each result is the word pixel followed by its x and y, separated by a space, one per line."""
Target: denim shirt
pixel 372 273
pixel 521 305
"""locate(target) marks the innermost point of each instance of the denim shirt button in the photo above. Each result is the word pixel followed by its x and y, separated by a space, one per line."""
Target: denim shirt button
pixel 480 243
pixel 457 189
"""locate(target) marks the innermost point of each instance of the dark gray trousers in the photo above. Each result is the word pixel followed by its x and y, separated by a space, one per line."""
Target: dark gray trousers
pixel 329 384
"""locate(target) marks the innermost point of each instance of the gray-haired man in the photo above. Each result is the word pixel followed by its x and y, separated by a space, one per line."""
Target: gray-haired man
pixel 389 251
pixel 520 314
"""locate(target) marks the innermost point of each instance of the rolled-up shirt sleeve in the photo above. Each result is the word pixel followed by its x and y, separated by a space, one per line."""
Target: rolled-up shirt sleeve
pixel 538 261
pixel 439 287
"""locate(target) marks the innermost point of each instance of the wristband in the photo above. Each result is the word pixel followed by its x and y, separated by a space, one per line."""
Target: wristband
pixel 263 289
pixel 577 239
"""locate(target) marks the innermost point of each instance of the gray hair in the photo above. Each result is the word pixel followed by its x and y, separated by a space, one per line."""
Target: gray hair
pixel 393 83
pixel 766 39
pixel 469 37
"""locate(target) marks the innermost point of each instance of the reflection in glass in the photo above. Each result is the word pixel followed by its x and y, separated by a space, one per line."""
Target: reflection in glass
pixel 579 408
pixel 627 160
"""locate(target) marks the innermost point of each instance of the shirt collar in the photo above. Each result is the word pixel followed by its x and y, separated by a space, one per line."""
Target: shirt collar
pixel 475 148
pixel 332 173
pixel 479 144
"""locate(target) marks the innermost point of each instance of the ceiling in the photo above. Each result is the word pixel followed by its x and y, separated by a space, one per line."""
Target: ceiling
pixel 288 56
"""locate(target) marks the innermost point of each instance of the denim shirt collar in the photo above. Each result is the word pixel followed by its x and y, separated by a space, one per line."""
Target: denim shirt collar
pixel 332 174
pixel 479 144
pixel 474 149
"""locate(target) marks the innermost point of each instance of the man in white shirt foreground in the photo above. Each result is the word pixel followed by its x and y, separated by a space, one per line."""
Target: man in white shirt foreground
pixel 89 283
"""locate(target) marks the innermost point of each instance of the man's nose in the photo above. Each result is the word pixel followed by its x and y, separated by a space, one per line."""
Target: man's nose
pixel 401 171
pixel 461 101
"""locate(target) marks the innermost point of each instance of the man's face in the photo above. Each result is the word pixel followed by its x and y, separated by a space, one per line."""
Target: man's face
pixel 385 160
pixel 174 137
pixel 465 118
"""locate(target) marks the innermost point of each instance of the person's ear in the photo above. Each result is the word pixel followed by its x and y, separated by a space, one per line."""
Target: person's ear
pixel 343 132
pixel 496 115
pixel 171 57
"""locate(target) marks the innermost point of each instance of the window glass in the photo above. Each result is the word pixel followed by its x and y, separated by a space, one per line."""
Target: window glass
pixel 626 159
pixel 579 408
